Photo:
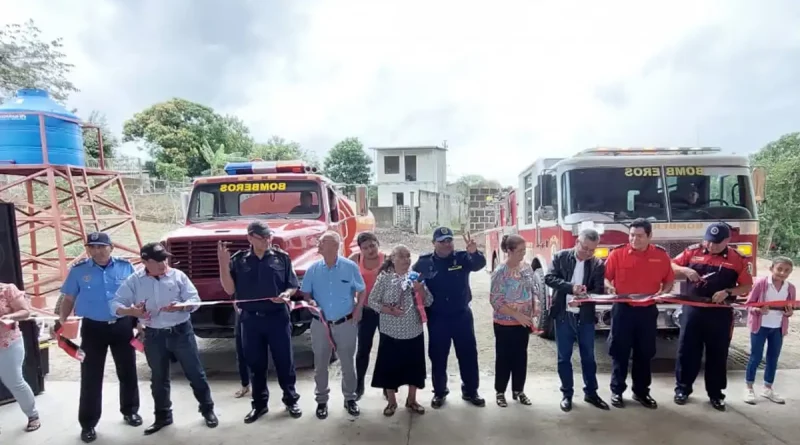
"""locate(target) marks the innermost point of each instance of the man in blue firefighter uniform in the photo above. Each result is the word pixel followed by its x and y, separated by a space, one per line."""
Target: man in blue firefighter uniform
pixel 446 272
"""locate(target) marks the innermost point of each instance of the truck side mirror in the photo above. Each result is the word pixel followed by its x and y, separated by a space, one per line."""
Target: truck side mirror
pixel 361 200
pixel 759 178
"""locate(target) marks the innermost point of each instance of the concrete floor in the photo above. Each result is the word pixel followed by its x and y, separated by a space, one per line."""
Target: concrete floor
pixel 456 423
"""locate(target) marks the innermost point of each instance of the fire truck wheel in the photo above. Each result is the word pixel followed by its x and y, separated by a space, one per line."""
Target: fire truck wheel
pixel 494 262
pixel 543 322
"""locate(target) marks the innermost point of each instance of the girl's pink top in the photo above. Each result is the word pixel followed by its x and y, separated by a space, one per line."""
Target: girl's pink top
pixel 9 294
pixel 758 294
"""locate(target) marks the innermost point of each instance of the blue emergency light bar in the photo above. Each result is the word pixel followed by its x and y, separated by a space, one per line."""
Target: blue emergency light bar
pixel 260 167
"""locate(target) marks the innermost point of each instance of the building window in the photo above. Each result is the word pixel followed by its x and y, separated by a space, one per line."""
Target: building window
pixel 391 165
pixel 411 168
pixel 528 198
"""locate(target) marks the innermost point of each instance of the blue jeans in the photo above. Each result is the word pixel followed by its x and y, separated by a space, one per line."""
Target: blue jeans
pixel 773 337
pixel 180 341
pixel 568 330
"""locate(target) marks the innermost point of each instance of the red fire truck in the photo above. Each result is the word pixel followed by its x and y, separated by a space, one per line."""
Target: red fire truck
pixel 681 190
pixel 298 204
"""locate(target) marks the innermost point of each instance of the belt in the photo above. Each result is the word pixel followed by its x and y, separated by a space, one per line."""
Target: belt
pixel 102 321
pixel 336 322
pixel 170 329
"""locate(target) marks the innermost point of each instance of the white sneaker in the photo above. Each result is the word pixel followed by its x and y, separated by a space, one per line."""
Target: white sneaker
pixel 772 396
pixel 750 396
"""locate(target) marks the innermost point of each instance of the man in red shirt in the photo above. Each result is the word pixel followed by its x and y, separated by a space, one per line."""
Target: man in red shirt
pixel 718 274
pixel 636 268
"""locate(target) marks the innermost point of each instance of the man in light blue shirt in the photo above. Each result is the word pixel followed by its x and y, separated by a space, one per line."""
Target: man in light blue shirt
pixel 90 285
pixel 332 283
pixel 157 296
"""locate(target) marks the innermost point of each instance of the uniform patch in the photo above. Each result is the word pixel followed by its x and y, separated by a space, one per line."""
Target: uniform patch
pixel 87 278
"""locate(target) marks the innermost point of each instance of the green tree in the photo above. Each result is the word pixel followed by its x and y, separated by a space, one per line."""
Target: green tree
pixel 279 149
pixel 348 163
pixel 175 131
pixel 90 145
pixel 28 62
pixel 217 159
pixel 779 215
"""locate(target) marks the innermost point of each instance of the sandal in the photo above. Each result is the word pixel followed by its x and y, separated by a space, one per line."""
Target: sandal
pixel 242 392
pixel 390 409
pixel 501 400
pixel 415 407
pixel 523 399
pixel 33 424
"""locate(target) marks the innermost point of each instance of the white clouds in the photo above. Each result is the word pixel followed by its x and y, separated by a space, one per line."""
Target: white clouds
pixel 508 83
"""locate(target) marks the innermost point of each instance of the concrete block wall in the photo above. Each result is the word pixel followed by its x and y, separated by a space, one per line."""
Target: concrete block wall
pixel 482 213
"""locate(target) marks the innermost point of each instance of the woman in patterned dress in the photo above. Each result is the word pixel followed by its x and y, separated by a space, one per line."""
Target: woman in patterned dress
pixel 401 351
pixel 513 292
pixel 14 307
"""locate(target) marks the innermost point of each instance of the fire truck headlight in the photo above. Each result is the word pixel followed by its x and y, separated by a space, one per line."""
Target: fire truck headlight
pixel 601 252
pixel 745 249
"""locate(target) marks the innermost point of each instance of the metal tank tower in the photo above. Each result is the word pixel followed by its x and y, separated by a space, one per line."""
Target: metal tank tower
pixel 57 197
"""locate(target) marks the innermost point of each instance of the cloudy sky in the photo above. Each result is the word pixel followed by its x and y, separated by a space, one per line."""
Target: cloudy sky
pixel 503 84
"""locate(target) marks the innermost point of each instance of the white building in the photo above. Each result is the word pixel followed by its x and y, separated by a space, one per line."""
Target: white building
pixel 402 172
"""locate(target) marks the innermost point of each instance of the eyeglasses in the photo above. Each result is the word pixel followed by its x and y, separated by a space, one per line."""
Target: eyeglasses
pixel 583 248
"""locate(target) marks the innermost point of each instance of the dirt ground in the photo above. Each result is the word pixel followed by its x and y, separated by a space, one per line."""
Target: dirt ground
pixel 219 355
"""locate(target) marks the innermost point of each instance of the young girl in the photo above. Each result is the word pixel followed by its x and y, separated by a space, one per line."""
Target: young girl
pixel 769 325
pixel 512 294
pixel 401 348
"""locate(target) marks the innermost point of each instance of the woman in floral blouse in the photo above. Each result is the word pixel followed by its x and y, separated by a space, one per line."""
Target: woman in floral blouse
pixel 401 351
pixel 14 307
pixel 513 292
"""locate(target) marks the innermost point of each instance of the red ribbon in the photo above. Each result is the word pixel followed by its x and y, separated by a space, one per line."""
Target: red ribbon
pixel 671 299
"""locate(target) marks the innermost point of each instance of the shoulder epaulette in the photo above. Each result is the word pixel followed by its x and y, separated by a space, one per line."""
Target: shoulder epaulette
pixel 694 246
pixel 616 247
pixel 426 255
pixel 82 262
pixel 278 251
pixel 239 253
pixel 660 247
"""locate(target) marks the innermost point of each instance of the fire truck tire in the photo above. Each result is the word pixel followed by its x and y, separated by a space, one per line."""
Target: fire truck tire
pixel 544 323
pixel 494 262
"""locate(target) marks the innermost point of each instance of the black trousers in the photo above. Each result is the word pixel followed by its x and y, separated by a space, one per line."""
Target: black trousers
pixel 366 334
pixel 511 357
pixel 633 329
pixel 706 328
pixel 179 341
pixel 97 337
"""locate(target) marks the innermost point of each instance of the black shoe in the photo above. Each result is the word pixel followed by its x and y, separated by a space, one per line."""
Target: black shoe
pixel 718 404
pixel 211 419
pixel 255 414
pixel 294 410
pixel 617 400
pixel 521 397
pixel 133 419
pixel 596 401
pixel 474 399
pixel 438 401
pixel 157 426
pixel 646 401
pixel 88 435
pixel 680 398
pixel 566 404
pixel 352 407
pixel 322 410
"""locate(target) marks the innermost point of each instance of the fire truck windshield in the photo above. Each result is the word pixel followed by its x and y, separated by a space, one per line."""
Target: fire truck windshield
pixel 624 193
pixel 255 199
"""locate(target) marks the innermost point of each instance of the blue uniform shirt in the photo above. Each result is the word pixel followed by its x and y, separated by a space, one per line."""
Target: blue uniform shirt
pixel 265 277
pixel 333 288
pixel 157 293
pixel 93 286
pixel 448 279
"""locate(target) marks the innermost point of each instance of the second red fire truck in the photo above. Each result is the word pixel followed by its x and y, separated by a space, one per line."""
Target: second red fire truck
pixel 680 190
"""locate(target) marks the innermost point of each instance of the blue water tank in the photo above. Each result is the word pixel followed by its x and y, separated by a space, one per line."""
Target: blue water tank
pixel 20 140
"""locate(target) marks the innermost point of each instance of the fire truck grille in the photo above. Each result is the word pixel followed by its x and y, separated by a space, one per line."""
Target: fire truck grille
pixel 198 259
pixel 674 248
